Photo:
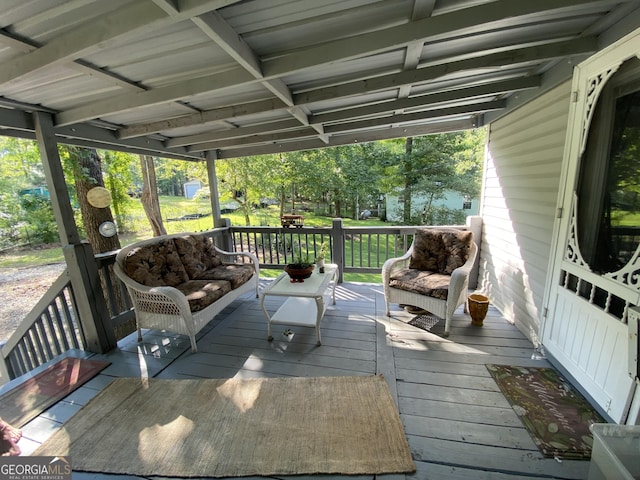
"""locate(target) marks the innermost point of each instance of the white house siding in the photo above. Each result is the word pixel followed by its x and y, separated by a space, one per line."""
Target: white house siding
pixel 453 201
pixel 521 179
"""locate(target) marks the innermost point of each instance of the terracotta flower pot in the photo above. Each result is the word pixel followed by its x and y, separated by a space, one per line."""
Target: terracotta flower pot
pixel 478 307
pixel 298 274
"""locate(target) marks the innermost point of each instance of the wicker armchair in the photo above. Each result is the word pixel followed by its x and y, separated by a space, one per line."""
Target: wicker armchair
pixel 434 273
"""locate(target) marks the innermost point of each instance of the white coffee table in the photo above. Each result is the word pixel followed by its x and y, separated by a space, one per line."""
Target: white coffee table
pixel 306 302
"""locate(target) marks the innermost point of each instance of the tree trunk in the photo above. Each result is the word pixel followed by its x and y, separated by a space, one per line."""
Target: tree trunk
pixel 406 214
pixel 149 197
pixel 87 176
pixel 283 200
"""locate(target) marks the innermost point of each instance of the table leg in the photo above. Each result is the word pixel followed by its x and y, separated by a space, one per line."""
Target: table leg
pixel 320 311
pixel 333 290
pixel 266 314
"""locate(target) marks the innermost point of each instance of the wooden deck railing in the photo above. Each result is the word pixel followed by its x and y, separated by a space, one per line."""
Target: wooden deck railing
pixel 52 326
pixel 354 249
pixel 50 329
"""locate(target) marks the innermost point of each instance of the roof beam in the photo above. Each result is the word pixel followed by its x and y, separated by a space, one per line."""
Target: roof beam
pixel 349 139
pixel 342 128
pixel 423 75
pixel 216 28
pixel 27 46
pixel 169 93
pixel 233 133
pixel 94 35
pixel 202 118
pixel 421 9
pixel 432 99
pixel 520 55
pixel 261 139
pixel 402 35
pixel 83 39
pixel 331 52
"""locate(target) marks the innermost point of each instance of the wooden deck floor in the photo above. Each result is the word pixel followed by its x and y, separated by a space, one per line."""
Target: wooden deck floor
pixel 458 424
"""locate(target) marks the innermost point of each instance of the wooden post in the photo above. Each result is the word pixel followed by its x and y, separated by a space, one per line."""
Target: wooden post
pixel 337 246
pixel 213 188
pixel 227 241
pixel 98 333
pixel 474 222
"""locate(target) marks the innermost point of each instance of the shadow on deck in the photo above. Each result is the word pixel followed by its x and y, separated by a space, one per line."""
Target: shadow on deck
pixel 458 424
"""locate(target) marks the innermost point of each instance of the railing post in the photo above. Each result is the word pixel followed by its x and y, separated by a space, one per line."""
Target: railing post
pixel 4 369
pixel 475 225
pixel 227 240
pixel 337 246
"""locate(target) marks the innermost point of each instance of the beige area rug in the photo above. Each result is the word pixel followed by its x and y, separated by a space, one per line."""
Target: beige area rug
pixel 228 428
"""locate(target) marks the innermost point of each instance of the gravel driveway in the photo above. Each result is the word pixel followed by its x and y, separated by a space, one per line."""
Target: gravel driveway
pixel 20 290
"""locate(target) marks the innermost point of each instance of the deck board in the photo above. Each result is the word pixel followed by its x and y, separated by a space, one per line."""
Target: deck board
pixel 458 424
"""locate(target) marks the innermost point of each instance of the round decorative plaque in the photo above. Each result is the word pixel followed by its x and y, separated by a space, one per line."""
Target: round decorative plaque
pixel 99 197
pixel 107 229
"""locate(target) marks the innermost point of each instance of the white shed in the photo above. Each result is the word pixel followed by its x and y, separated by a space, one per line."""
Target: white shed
pixel 190 188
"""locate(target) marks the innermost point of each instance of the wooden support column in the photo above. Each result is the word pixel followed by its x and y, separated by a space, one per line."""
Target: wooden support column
pixel 337 253
pixel 213 188
pixel 93 314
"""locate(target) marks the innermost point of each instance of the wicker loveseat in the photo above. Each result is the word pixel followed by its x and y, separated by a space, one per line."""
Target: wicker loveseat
pixel 181 282
pixel 434 273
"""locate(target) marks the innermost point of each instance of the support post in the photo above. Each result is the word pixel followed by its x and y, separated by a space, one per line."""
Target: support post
pixel 227 241
pixel 337 246
pixel 474 223
pixel 98 333
pixel 213 188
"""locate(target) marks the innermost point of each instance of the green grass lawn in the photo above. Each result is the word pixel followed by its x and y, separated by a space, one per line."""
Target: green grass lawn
pixel 136 227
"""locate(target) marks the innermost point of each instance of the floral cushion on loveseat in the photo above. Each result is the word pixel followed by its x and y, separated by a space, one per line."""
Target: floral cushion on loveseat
pixel 156 265
pixel 202 293
pixel 190 264
pixel 197 254
pixel 235 273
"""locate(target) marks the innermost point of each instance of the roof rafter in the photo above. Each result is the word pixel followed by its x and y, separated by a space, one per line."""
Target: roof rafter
pixel 93 35
pixel 348 139
pixel 325 53
pixel 402 35
pixel 431 99
pixel 572 47
pixel 508 57
pixel 216 28
pixel 249 135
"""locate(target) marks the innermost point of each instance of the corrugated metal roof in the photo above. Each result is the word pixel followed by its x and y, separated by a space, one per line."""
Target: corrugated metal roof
pixel 230 77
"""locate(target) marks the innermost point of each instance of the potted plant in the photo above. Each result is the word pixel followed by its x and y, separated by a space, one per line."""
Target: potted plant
pixel 300 268
pixel 322 253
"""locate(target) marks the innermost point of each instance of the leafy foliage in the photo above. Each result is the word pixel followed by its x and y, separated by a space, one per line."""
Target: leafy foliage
pixel 334 182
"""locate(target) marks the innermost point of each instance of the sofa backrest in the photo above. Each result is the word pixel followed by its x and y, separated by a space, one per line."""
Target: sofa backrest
pixel 440 250
pixel 197 254
pixel 155 264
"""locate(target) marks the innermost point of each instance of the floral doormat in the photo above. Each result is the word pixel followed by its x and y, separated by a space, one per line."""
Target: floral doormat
pixel 556 416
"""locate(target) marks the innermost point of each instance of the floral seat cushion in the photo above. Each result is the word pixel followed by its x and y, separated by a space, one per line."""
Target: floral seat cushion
pixel 197 254
pixel 423 282
pixel 156 265
pixel 436 254
pixel 235 273
pixel 202 293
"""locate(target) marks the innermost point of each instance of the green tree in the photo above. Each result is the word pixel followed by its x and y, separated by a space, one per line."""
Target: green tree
pixel 121 174
pixel 434 165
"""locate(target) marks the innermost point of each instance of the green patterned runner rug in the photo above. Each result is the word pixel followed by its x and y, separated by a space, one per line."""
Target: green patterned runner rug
pixel 556 416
